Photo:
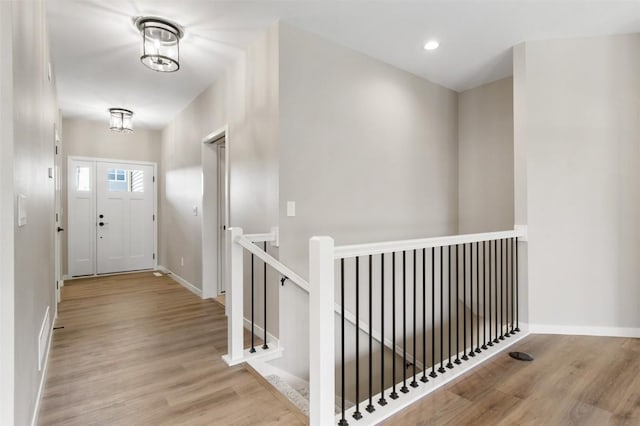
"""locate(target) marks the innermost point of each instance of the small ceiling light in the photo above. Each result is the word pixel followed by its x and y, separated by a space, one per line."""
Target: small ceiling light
pixel 160 44
pixel 121 120
pixel 431 45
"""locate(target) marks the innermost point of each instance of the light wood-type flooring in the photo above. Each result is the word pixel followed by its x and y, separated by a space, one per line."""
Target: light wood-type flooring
pixel 142 350
pixel 574 380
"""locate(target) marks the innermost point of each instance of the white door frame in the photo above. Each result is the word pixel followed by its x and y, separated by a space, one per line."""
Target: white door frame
pixel 210 211
pixel 95 160
pixel 57 237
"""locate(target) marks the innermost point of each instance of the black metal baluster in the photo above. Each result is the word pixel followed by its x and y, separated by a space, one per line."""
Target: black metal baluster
pixel 394 394
pixel 424 318
pixel 471 352
pixel 513 304
pixel 382 401
pixel 507 284
pixel 477 298
pixel 370 408
pixel 264 271
pixel 441 369
pixel 457 361
pixel 449 364
pixel 253 332
pixel 404 388
pixel 357 414
pixel 495 271
pixel 343 421
pixel 502 263
pixel 433 313
pixel 484 293
pixel 464 303
pixel 413 383
pixel 490 342
pixel 517 290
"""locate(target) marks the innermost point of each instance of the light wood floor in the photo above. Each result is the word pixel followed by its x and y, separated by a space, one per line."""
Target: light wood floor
pixel 574 380
pixel 142 350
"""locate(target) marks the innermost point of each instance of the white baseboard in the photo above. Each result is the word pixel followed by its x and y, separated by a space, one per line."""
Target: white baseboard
pixel 260 332
pixel 585 330
pixel 43 377
pixel 112 274
pixel 177 278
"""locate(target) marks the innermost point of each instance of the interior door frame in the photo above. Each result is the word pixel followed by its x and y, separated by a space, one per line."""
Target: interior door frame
pixel 95 161
pixel 58 212
pixel 211 220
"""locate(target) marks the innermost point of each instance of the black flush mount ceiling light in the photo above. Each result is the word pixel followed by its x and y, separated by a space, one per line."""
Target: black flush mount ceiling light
pixel 160 43
pixel 121 120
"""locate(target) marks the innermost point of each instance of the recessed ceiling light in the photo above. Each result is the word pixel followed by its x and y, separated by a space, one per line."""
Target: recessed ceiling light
pixel 431 45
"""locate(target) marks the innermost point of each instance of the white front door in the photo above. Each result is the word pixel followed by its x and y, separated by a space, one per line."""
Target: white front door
pixel 125 217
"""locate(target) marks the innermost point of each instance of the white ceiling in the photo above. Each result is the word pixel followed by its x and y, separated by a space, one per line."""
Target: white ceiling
pixel 96 48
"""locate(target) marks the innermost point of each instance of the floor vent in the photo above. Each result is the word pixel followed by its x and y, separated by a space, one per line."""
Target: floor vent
pixel 43 339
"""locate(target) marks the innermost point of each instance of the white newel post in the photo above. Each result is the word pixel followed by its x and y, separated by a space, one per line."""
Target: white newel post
pixel 234 297
pixel 321 332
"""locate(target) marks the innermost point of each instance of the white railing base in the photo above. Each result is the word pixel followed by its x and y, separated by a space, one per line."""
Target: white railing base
pixel 405 400
pixel 263 355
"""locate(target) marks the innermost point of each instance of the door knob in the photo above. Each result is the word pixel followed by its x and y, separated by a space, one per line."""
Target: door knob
pixel 101 224
pixel 60 229
pixel 101 216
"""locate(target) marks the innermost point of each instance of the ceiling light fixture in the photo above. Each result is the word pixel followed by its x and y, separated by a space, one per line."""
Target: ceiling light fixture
pixel 160 43
pixel 121 120
pixel 431 45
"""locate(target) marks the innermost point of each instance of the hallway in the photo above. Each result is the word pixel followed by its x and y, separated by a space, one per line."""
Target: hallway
pixel 142 350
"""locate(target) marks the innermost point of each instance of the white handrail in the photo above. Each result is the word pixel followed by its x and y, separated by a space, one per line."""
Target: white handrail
pixel 260 238
pixel 341 252
pixel 270 260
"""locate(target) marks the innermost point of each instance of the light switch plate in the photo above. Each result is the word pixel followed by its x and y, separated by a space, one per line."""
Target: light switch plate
pixel 195 210
pixel 22 210
pixel 291 208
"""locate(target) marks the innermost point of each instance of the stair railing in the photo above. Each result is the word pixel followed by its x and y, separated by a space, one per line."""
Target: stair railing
pixel 475 275
pixel 446 301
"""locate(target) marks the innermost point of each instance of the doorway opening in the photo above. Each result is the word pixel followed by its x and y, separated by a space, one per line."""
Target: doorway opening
pixel 215 217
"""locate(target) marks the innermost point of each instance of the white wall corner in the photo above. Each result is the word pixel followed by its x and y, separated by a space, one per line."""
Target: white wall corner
pixel 276 232
pixel 525 231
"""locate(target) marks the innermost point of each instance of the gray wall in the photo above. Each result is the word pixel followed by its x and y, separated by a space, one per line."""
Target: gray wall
pixel 485 149
pixel 34 114
pixel 7 204
pixel 86 138
pixel 578 102
pixel 368 153
pixel 245 99
pixel 94 139
pixel 181 182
